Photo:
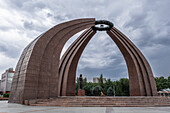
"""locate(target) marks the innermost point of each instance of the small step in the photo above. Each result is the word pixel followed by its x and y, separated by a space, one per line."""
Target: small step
pixel 91 101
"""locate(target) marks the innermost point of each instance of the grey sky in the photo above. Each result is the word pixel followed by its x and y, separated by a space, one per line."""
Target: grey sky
pixel 145 22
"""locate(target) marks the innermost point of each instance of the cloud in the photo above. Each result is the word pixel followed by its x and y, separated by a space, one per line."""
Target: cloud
pixel 145 22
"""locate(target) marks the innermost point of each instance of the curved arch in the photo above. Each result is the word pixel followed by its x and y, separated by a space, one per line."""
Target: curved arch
pixel 41 61
pixel 41 74
pixel 140 74
pixel 148 76
pixel 146 84
pixel 63 61
pixel 69 61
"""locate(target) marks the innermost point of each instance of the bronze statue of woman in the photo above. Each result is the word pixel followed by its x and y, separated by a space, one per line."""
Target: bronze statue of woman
pixel 80 82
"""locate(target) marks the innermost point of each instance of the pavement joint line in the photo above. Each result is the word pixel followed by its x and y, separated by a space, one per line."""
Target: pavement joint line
pixel 17 108
pixel 109 110
pixel 158 109
pixel 38 110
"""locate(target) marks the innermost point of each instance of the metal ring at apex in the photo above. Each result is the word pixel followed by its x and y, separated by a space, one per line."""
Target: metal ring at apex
pixel 110 25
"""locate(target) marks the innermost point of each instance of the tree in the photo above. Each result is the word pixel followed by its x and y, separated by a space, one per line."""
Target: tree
pixel 88 88
pixel 169 82
pixel 162 83
pixel 106 85
pixel 101 80
pixel 125 86
pixel 84 81
pixel 110 91
pixel 122 87
pixel 118 88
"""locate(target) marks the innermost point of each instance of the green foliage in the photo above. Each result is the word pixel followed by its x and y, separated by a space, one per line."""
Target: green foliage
pixel 108 84
pixel 110 91
pixel 121 87
pixel 169 82
pixel 162 83
pixel 96 91
pixel 84 81
pixel 101 80
pixel 6 95
pixel 88 88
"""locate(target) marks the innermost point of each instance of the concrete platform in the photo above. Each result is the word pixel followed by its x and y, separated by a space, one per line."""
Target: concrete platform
pixel 6 107
pixel 3 98
pixel 102 101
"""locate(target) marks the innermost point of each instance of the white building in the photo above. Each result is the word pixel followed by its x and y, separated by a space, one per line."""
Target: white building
pixel 0 88
pixel 164 92
pixel 96 80
pixel 6 80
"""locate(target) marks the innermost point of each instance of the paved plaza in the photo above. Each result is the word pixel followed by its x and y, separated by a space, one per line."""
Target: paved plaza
pixel 6 107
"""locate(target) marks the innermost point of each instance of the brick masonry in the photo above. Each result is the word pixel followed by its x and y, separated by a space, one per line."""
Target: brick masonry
pixel 37 69
pixel 103 101
pixel 81 92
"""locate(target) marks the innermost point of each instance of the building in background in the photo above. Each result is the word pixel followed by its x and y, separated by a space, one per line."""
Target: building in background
pixel 164 92
pixel 96 80
pixel 6 81
pixel 0 88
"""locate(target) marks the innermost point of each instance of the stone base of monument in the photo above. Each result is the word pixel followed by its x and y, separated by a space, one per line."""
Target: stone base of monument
pixel 81 92
pixel 102 101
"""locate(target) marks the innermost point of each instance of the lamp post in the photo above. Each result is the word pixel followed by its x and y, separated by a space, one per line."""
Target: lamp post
pixel 114 90
pixel 114 87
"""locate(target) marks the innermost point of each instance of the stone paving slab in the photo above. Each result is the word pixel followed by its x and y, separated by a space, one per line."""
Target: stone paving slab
pixel 6 107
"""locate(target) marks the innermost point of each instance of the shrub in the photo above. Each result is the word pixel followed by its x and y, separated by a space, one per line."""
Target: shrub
pixel 110 91
pixel 6 95
pixel 87 90
pixel 97 90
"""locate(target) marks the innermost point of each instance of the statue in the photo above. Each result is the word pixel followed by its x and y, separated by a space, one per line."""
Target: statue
pixel 80 82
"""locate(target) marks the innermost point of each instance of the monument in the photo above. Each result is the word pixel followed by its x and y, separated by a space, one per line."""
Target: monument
pixel 80 82
pixel 81 91
pixel 41 74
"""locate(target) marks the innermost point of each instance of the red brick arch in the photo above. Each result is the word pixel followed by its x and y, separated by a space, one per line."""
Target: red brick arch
pixel 140 74
pixel 41 74
pixel 36 74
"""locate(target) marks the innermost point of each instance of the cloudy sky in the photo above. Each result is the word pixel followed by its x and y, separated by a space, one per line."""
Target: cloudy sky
pixel 145 22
